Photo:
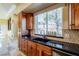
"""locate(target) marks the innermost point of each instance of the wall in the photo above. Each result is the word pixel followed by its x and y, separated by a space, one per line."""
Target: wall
pixel 4 31
pixel 4 24
pixel 3 21
pixel 14 26
pixel 71 36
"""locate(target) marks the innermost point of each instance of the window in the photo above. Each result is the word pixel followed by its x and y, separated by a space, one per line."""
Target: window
pixel 41 24
pixel 49 23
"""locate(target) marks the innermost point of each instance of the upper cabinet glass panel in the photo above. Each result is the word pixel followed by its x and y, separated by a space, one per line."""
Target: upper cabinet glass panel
pixel 23 24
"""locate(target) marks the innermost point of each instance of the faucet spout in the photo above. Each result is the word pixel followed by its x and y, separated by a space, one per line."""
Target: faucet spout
pixel 44 37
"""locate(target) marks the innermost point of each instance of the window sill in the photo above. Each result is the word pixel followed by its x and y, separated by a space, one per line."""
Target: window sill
pixel 50 36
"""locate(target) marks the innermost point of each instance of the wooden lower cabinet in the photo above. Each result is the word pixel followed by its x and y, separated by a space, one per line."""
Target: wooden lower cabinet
pixel 29 51
pixel 30 48
pixel 44 50
pixel 43 53
pixel 23 45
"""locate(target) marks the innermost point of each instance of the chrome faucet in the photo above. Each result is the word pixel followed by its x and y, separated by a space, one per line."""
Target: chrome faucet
pixel 44 36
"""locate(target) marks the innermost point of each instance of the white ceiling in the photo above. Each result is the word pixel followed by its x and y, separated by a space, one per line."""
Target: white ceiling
pixel 6 9
pixel 34 7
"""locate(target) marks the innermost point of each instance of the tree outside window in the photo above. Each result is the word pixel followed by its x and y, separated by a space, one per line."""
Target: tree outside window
pixel 49 23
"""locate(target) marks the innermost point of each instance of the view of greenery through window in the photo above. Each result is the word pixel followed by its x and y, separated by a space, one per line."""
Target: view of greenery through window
pixel 49 23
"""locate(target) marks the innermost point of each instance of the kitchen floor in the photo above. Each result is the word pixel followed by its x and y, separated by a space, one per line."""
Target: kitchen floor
pixel 9 47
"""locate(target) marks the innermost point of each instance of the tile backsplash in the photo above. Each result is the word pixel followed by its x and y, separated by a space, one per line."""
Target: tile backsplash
pixel 71 36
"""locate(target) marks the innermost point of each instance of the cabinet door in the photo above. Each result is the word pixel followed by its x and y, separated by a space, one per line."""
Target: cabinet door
pixel 31 48
pixel 77 16
pixel 44 50
pixel 65 17
pixel 45 53
pixel 74 16
pixel 38 52
pixel 29 18
pixel 21 44
pixel 25 47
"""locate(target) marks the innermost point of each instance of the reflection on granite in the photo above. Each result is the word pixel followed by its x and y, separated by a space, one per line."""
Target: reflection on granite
pixel 68 47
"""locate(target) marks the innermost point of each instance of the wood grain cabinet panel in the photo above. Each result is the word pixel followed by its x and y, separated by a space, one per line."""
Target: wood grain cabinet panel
pixel 23 45
pixel 75 16
pixel 31 48
pixel 26 47
pixel 44 50
pixel 71 16
pixel 45 53
pixel 29 19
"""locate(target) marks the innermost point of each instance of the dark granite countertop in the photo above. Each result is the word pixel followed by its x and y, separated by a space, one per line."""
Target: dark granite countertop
pixel 63 46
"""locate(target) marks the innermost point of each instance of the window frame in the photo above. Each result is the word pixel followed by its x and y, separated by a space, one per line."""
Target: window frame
pixel 47 27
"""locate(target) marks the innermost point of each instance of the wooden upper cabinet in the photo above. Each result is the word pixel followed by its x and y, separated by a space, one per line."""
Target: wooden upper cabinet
pixel 75 16
pixel 29 20
pixel 71 16
pixel 19 20
pixel 65 17
pixel 28 17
